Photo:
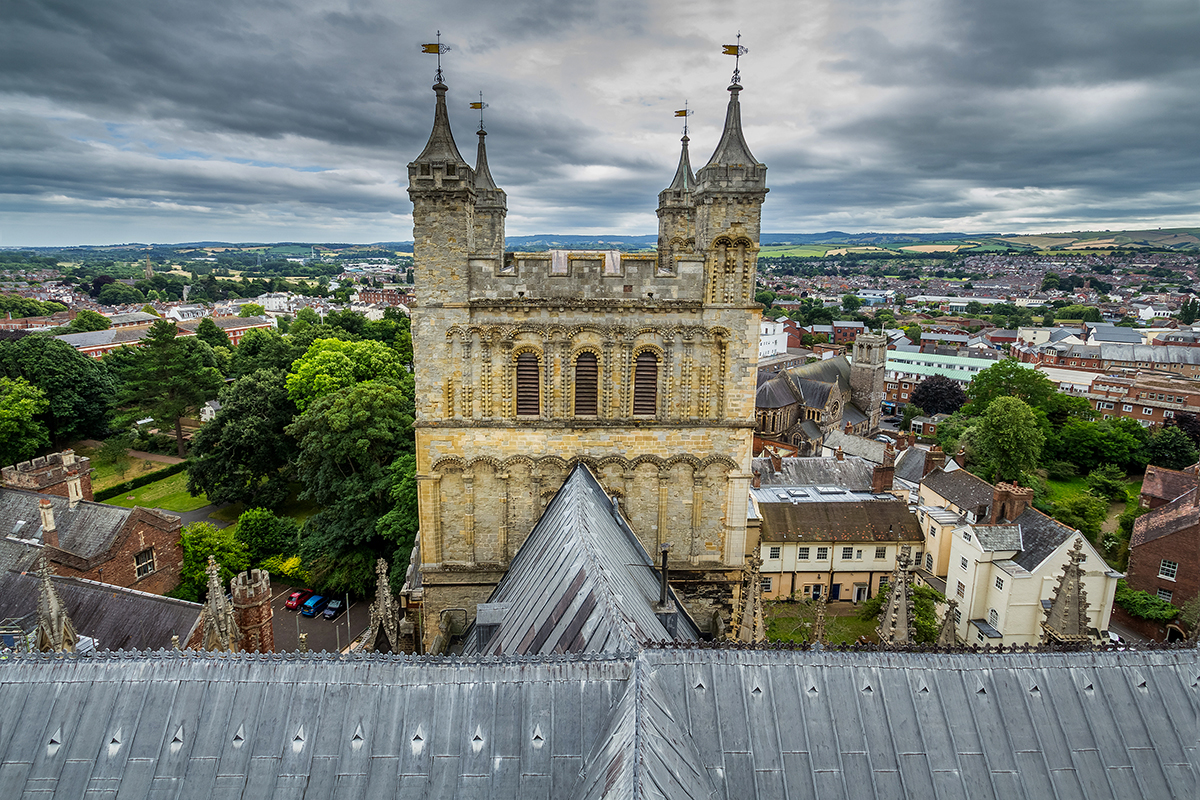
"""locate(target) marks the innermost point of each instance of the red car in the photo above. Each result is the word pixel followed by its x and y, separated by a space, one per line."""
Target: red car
pixel 297 598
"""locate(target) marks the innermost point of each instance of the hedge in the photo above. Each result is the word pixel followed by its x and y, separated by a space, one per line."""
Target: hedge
pixel 139 482
pixel 1143 604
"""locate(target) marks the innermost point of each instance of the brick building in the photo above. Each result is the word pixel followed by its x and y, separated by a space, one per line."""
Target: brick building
pixel 1164 550
pixel 1146 397
pixel 46 502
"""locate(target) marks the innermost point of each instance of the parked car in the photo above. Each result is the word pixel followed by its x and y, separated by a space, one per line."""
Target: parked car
pixel 334 608
pixel 314 605
pixel 297 598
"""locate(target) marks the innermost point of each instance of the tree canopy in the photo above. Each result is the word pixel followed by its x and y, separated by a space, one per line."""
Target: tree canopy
pixel 333 364
pixel 79 389
pixel 1008 378
pixel 1009 438
pixel 208 332
pixel 938 394
pixel 21 434
pixel 199 541
pixel 1171 448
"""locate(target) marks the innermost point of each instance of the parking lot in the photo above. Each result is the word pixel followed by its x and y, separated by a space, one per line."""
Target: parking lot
pixel 323 634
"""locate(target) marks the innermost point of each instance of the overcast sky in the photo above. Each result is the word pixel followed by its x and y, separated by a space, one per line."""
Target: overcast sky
pixel 272 120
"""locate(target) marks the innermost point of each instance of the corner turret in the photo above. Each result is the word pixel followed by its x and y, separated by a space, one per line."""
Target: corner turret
pixel 730 190
pixel 442 188
pixel 677 214
pixel 491 207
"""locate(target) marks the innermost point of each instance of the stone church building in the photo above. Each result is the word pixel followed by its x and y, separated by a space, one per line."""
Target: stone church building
pixel 640 366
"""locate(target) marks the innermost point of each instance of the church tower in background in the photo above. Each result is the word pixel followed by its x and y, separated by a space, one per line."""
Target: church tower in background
pixel 640 365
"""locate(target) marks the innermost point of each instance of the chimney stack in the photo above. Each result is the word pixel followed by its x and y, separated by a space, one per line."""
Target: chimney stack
pixel 849 429
pixel 49 530
pixel 776 461
pixel 934 459
pixel 960 457
pixel 756 481
pixel 840 455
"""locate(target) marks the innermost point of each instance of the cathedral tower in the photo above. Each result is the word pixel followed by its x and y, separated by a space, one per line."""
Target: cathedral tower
pixel 528 363
pixel 867 375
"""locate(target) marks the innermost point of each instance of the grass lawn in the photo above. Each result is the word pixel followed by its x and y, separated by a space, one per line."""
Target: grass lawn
pixel 106 475
pixel 792 622
pixel 1057 491
pixel 295 508
pixel 169 493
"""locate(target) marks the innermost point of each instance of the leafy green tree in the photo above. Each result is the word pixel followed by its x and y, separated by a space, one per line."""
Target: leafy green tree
pixel 167 378
pixel 911 412
pixel 1061 407
pixel 21 434
pixel 1083 511
pixel 251 310
pixel 1188 423
pixel 925 620
pixel 114 452
pixel 118 294
pixel 332 364
pixel 209 333
pixel 199 541
pixel 244 454
pixel 851 303
pixel 1189 310
pixel 265 534
pixel 400 523
pixel 1087 444
pixel 261 348
pixel 348 442
pixel 1171 448
pixel 1108 481
pixel 80 390
pixel 938 394
pixel 1008 378
pixel 88 320
pixel 1009 437
pixel 766 297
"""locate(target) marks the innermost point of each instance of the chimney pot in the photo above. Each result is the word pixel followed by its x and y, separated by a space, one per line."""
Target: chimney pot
pixel 49 529
pixel 840 455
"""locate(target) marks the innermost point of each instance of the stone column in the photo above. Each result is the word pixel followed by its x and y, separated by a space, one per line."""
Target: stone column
pixel 468 478
pixel 697 513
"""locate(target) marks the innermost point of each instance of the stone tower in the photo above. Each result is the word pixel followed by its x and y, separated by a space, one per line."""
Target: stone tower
pixel 641 366
pixel 62 474
pixel 867 373
pixel 677 214
pixel 252 610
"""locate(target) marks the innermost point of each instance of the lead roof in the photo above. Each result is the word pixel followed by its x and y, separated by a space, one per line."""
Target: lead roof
pixel 732 724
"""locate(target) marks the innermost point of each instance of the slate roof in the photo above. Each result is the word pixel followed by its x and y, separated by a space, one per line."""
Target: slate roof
pixel 1166 484
pixel 1178 515
pixel 851 473
pixel 998 537
pixel 855 521
pixel 1111 333
pixel 116 617
pixel 910 464
pixel 581 583
pixel 827 370
pixel 961 488
pixel 775 392
pixel 696 722
pixel 852 445
pixel 85 530
pixel 1040 536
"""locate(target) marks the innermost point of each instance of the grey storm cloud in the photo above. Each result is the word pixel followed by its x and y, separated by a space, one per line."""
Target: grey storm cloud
pixel 159 120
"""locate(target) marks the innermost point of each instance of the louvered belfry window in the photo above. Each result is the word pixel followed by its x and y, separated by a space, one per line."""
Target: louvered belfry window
pixel 529 384
pixel 645 384
pixel 586 374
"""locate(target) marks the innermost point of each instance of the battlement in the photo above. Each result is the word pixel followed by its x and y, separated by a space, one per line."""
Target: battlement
pixel 596 275
pixel 51 474
pixel 251 588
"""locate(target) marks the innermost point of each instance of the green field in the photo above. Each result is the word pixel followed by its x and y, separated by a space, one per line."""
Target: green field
pixel 792 622
pixel 170 494
pixel 295 508
pixel 802 251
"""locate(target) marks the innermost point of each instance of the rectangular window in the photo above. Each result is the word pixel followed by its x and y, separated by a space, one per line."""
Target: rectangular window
pixel 880 552
pixel 645 384
pixel 802 553
pixel 847 552
pixel 766 584
pixel 586 375
pixel 932 532
pixel 1168 413
pixel 962 562
pixel 143 563
pixel 967 535
pixel 1147 411
pixel 822 553
pixel 904 395
pixel 999 583
pixel 775 552
pixel 957 615
pixel 962 589
pixel 1126 407
pixel 529 385
pixel 1167 569
pixel 1165 594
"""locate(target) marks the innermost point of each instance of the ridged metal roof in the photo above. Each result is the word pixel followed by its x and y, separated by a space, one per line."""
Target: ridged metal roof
pixel 728 723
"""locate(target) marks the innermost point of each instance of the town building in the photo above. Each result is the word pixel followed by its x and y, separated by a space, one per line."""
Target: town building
pixel 641 366
pixel 98 344
pixel 1151 399
pixel 47 502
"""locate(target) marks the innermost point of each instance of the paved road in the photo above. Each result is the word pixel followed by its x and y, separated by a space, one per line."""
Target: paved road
pixel 323 634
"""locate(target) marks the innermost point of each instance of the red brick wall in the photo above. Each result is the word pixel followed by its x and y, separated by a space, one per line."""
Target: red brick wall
pixel 142 530
pixel 1182 547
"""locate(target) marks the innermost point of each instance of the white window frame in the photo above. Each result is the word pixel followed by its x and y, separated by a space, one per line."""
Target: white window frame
pixel 140 567
pixel 999 583
pixel 766 584
pixel 880 552
pixel 1126 407
pixel 822 554
pixel 1168 569
pixel 1165 594
pixel 994 618
pixel 847 553
pixel 774 552
pixel 961 591
pixel 962 562
pixel 802 553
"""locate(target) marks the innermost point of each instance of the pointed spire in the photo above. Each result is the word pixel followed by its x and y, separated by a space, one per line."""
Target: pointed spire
pixel 896 621
pixel 220 628
pixel 384 615
pixel 732 150
pixel 1066 619
pixel 440 147
pixel 684 180
pixel 819 627
pixel 946 636
pixel 55 633
pixel 483 176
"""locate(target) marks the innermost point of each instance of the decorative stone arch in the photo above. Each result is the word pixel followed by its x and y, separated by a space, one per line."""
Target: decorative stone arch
pixel 527 363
